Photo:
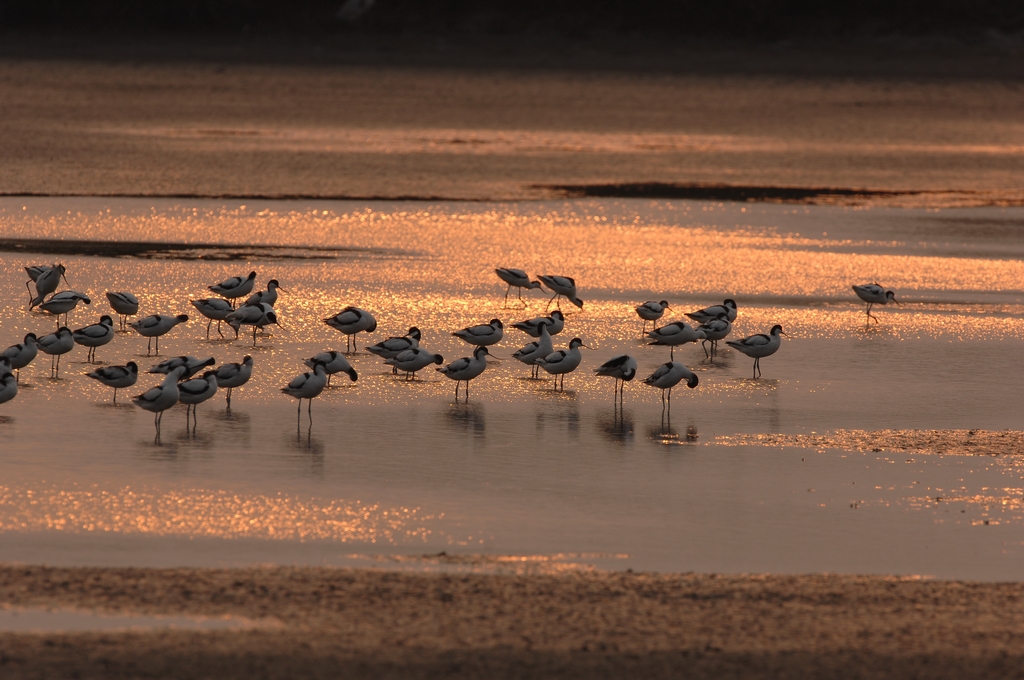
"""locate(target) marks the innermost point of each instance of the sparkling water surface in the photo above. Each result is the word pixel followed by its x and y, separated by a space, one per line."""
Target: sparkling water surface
pixel 391 468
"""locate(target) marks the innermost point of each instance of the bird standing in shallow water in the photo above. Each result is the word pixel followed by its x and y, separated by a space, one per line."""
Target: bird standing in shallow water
pixel 651 311
pixel 708 313
pixel 516 278
pixel 874 294
pixel 190 364
pixel 334 362
pixel 536 350
pixel 63 302
pixel 482 335
pixel 392 347
pixel 412 360
pixel 676 333
pixel 22 354
pixel 350 321
pixel 158 399
pixel 46 281
pixel 562 286
pixel 307 386
pixel 56 344
pixel 465 369
pixel 153 327
pixel 622 368
pixel 125 305
pixel 759 346
pixel 668 375
pixel 231 376
pixel 257 316
pixel 714 330
pixel 118 377
pixel 555 324
pixel 563 361
pixel 268 296
pixel 8 386
pixel 95 336
pixel 214 309
pixel 196 391
pixel 235 287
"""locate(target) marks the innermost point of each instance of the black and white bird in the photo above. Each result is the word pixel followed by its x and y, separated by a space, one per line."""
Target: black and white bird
pixel 555 323
pixel 350 321
pixel 714 330
pixel 465 369
pixel 708 313
pixel 63 302
pixel 189 363
pixel 46 281
pixel 21 355
pixel 675 333
pixel 334 362
pixel 268 296
pixel 412 360
pixel 214 309
pixel 622 368
pixel 34 272
pixel 874 294
pixel 153 327
pixel 651 311
pixel 118 377
pixel 8 386
pixel 95 336
pixel 124 305
pixel 235 287
pixel 307 386
pixel 516 278
pixel 668 375
pixel 482 335
pixel 759 346
pixel 196 391
pixel 393 346
pixel 258 316
pixel 538 349
pixel 56 344
pixel 230 376
pixel 158 399
pixel 563 361
pixel 562 286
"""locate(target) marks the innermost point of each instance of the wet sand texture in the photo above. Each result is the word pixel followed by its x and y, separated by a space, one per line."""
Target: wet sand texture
pixel 380 624
pixel 249 130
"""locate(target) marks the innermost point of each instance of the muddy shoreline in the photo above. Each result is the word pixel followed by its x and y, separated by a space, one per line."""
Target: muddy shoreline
pixel 373 623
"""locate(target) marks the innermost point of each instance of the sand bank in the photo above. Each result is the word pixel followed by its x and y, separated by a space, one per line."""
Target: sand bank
pixel 370 623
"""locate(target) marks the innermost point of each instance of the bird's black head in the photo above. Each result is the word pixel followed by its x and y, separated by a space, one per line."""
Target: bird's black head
pixel 132 366
pixel 182 318
pixel 497 322
pixel 252 275
pixel 730 303
pixel 692 382
pixel 557 314
pixel 438 359
pixel 30 337
pixel 106 320
pixel 414 333
pixel 247 359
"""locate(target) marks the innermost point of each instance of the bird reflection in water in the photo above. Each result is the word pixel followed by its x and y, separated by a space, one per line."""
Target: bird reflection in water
pixel 469 418
pixel 566 414
pixel 618 427
pixel 309 451
pixel 665 434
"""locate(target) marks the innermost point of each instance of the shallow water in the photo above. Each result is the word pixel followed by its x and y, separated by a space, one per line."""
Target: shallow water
pixel 31 620
pixel 389 467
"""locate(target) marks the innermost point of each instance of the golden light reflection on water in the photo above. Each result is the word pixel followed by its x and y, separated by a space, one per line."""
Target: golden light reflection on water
pixel 210 513
pixel 949 442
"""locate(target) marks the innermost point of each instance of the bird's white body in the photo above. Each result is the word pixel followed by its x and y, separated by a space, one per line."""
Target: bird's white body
pixel 482 335
pixel 515 278
pixel 333 362
pixel 96 335
pixel 22 354
pixel 308 385
pixel 415 359
pixel 555 323
pixel 670 374
pixel 267 297
pixel 123 303
pixel 235 287
pixel 563 361
pixel 47 282
pixel 191 365
pixel 622 367
pixel 350 321
pixel 715 330
pixel 675 333
pixel 64 301
pixel 393 346
pixel 231 376
pixel 215 309
pixel 538 349
pixel 198 390
pixel 118 377
pixel 57 343
pixel 465 369
pixel 873 293
pixel 708 313
pixel 8 387
pixel 652 310
pixel 162 397
pixel 258 316
pixel 157 325
pixel 561 286
pixel 759 346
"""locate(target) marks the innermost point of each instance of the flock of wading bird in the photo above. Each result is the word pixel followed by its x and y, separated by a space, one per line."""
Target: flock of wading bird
pixel 404 354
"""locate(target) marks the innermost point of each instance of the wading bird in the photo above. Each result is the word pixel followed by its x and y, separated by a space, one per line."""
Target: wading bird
pixel 125 305
pixel 118 377
pixel 158 399
pixel 622 368
pixel 153 327
pixel 562 286
pixel 676 333
pixel 465 369
pixel 235 287
pixel 230 376
pixel 651 311
pixel 350 321
pixel 708 313
pixel 874 294
pixel 759 346
pixel 516 278
pixel 563 361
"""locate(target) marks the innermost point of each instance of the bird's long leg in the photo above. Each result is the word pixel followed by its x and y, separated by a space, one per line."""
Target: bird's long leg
pixel 550 301
pixel 17 376
pixel 219 332
pixel 706 354
pixel 254 336
pixel 157 338
pixel 671 352
pixel 467 391
pixel 643 329
pixel 208 323
pixel 229 397
pixel 355 345
pixel 29 290
pixel 505 306
pixel 58 365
